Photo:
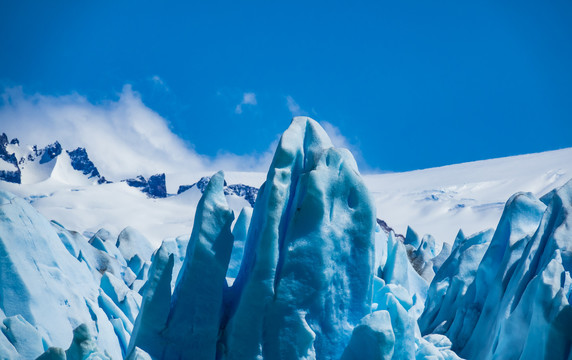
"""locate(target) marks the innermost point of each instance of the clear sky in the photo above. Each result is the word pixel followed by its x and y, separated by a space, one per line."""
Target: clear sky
pixel 411 84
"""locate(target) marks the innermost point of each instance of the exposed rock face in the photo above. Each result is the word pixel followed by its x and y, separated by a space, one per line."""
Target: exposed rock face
pixel 9 173
pixel 138 182
pixel 80 161
pixel 155 186
pixel 48 153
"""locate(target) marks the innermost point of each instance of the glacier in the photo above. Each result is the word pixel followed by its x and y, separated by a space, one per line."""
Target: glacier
pixel 432 201
pixel 44 286
pixel 308 273
pixel 309 231
pixel 515 290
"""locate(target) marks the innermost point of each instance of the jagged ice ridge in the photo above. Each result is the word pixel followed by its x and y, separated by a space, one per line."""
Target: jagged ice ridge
pixel 309 273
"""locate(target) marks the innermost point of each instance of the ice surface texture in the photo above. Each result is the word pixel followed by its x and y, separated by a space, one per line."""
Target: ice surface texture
pixel 515 302
pixel 196 306
pixel 58 289
pixel 306 276
pixel 304 263
pixel 305 279
pixel 43 284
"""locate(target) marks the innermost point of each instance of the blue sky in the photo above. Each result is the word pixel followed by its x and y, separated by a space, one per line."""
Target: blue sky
pixel 409 84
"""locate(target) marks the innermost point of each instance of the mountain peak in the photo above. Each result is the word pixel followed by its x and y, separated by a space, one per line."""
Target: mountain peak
pixel 23 163
pixel 48 153
pixel 155 186
pixel 9 169
pixel 81 162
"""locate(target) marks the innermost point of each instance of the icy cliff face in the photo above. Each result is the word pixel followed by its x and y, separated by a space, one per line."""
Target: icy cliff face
pixel 43 284
pixel 198 296
pixel 309 273
pixel 305 288
pixel 312 229
pixel 515 302
pixel 59 290
pixel 305 279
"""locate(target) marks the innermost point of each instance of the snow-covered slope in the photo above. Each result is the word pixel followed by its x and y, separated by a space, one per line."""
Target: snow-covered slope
pixel 470 196
pixel 88 208
pixel 319 278
pixel 438 201
pixel 66 187
pixel 305 285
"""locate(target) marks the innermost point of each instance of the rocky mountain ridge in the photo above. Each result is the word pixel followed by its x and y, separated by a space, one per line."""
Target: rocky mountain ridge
pixel 17 159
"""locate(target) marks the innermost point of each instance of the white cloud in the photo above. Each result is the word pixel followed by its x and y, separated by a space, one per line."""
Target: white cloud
pixel 123 137
pixel 293 107
pixel 340 141
pixel 259 162
pixel 335 135
pixel 248 98
pixel 157 80
pixel 159 83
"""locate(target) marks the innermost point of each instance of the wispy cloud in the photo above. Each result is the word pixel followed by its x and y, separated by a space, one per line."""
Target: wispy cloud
pixel 259 162
pixel 293 107
pixel 248 98
pixel 123 137
pixel 340 141
pixel 159 83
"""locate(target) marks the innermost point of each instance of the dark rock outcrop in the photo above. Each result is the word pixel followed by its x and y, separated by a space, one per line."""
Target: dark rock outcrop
pixel 14 176
pixel 81 162
pixel 154 187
